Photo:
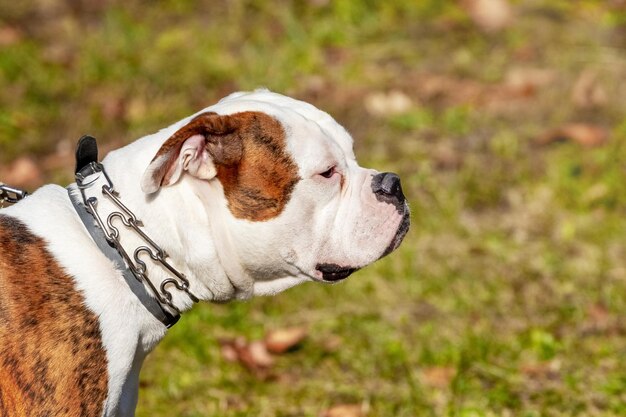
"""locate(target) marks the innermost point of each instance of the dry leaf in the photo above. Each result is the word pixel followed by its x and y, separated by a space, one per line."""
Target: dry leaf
pixel 598 314
pixel 229 353
pixel 489 15
pixel 259 355
pixel 345 410
pixel 254 355
pixel 448 90
pixel 546 370
pixel 385 104
pixel 9 36
pixel 281 340
pixel 438 376
pixel 584 134
pixel 527 81
pixel 587 92
pixel 599 321
pixel 314 85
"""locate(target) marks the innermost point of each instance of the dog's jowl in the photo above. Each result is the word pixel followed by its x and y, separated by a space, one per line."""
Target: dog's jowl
pixel 250 196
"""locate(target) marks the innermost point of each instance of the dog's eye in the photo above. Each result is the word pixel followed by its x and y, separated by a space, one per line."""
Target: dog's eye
pixel 329 173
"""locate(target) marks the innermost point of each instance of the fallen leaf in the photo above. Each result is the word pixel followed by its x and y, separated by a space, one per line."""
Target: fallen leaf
pixel 545 370
pixel 345 410
pixel 584 134
pixel 489 15
pixel 9 36
pixel 314 85
pixel 611 325
pixel 598 313
pixel 281 340
pixel 385 104
pixel 587 91
pixel 259 356
pixel 527 81
pixel 447 90
pixel 438 376
pixel 253 355
pixel 599 320
pixel 229 353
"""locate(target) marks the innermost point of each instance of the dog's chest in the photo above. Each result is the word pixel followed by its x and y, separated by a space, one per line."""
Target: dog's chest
pixel 52 360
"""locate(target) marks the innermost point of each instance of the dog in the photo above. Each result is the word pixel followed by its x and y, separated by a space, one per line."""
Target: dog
pixel 250 196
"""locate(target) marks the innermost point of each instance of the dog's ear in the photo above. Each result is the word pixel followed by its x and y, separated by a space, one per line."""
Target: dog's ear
pixel 198 148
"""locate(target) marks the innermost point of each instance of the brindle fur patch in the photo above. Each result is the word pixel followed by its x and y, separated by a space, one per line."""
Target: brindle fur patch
pixel 249 152
pixel 260 185
pixel 52 362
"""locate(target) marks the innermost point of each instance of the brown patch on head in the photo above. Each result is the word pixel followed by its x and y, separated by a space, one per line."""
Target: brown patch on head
pixel 52 362
pixel 248 151
pixel 259 186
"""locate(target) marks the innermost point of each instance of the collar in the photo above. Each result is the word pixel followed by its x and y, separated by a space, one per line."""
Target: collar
pixel 157 300
pixel 10 195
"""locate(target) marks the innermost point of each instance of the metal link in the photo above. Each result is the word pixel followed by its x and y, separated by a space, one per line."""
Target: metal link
pixel 137 266
pixel 11 195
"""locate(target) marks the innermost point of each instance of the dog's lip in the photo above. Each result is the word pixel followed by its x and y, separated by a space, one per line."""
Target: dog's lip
pixel 403 229
pixel 334 272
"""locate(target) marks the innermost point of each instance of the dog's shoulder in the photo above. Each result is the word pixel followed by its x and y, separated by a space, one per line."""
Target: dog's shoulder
pixel 51 354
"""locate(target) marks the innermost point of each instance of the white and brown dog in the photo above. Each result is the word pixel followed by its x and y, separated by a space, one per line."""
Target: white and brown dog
pixel 248 197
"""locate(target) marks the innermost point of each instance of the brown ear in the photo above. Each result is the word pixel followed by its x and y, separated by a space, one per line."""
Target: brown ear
pixel 206 141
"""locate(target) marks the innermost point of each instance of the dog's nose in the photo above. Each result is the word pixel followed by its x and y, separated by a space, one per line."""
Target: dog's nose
pixel 386 186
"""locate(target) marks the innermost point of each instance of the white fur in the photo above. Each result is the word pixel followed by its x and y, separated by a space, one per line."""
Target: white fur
pixel 223 257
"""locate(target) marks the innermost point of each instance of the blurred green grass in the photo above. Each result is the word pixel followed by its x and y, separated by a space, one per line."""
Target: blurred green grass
pixel 506 297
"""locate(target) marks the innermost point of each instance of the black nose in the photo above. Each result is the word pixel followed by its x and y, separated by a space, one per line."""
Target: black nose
pixel 386 186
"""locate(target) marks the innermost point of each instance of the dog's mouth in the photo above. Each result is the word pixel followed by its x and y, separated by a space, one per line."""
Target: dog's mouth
pixel 333 272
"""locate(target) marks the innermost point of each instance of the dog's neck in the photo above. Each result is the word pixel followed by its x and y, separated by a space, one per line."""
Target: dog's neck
pixel 176 219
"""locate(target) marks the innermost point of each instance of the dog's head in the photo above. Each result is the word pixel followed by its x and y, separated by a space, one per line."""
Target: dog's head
pixel 294 203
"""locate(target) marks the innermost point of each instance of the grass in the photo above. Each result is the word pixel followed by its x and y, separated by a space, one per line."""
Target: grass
pixel 506 297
